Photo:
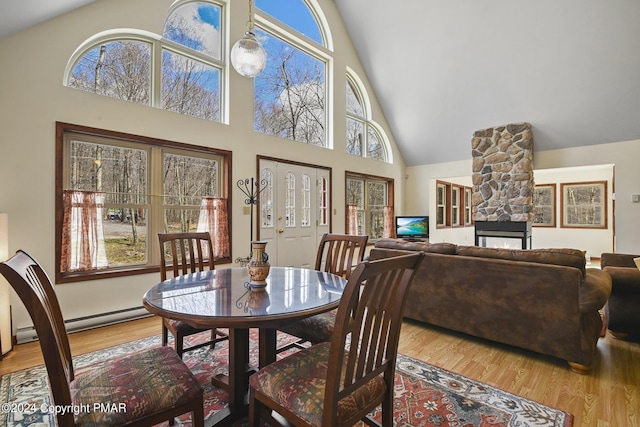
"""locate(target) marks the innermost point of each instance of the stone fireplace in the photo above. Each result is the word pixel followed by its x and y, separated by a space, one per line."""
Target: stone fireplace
pixel 502 178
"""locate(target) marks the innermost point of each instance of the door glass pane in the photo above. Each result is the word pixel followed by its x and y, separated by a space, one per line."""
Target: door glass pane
pixel 305 220
pixel 323 202
pixel 290 202
pixel 266 199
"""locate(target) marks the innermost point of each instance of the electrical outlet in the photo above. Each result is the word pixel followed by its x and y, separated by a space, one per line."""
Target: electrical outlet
pixel 246 210
pixel 635 198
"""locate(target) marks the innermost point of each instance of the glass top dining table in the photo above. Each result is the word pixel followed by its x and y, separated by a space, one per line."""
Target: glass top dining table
pixel 223 298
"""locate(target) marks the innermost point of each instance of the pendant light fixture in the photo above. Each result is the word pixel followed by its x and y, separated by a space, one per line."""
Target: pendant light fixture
pixel 248 57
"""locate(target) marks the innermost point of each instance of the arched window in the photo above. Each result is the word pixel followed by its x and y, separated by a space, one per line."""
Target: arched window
pixel 364 136
pixel 119 63
pixel 290 95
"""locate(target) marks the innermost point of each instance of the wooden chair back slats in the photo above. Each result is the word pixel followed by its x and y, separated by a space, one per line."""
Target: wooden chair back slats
pixel 33 286
pixel 184 253
pixel 367 328
pixel 340 253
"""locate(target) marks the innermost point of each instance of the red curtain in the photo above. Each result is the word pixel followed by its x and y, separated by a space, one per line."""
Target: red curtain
pixel 214 218
pixel 83 247
pixel 352 219
pixel 389 229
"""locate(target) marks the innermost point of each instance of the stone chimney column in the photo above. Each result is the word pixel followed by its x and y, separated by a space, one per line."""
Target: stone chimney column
pixel 502 173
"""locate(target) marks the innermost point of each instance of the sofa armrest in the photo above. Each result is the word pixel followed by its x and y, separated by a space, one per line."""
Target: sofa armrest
pixel 625 280
pixel 617 260
pixel 595 290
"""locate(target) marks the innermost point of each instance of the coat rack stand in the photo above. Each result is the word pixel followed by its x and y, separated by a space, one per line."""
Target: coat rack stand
pixel 252 189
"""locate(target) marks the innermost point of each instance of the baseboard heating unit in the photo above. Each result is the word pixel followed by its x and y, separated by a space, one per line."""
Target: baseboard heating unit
pixel 87 322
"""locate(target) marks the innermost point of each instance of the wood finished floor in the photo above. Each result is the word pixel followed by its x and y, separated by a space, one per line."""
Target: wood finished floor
pixel 608 397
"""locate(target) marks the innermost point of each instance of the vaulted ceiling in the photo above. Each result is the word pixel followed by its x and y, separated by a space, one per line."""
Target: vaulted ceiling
pixel 444 69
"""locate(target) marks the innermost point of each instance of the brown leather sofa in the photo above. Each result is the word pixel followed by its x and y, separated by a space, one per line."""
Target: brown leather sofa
pixel 543 300
pixel 623 308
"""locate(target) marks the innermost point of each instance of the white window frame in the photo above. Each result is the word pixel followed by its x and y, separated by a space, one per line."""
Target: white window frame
pixel 158 44
pixel 366 120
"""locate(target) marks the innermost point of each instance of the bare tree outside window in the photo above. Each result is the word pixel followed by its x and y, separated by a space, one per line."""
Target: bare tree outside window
pixel 371 197
pixel 186 180
pixel 119 69
pixel 190 87
pixel 190 78
pixel 290 94
pixel 363 138
pixel 120 173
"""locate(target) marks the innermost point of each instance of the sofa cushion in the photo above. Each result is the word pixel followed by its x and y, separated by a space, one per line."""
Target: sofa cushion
pixel 440 248
pixel 560 256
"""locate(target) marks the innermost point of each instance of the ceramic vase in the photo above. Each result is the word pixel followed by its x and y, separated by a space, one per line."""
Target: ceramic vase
pixel 258 266
pixel 258 301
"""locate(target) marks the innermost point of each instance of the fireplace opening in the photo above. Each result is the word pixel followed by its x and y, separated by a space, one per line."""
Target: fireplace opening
pixel 503 234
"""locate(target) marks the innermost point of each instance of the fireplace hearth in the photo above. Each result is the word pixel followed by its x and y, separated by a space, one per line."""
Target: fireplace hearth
pixel 503 234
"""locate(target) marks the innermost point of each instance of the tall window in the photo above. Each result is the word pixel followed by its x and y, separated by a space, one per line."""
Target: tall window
pixel 149 187
pixel 364 137
pixel 290 95
pixel 370 195
pixel 442 202
pixel 456 210
pixel 467 206
pixel 120 64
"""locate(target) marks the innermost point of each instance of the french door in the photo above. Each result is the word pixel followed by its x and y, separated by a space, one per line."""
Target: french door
pixel 294 211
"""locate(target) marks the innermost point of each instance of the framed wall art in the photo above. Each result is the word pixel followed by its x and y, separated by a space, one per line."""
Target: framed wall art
pixel 584 204
pixel 544 205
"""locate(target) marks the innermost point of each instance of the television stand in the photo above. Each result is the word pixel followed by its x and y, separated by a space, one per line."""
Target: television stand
pixel 413 239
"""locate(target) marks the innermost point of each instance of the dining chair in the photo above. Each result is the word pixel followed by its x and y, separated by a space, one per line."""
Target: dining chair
pixel 339 383
pixel 337 254
pixel 150 386
pixel 184 253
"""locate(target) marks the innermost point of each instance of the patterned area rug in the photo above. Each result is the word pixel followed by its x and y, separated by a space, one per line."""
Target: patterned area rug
pixel 424 394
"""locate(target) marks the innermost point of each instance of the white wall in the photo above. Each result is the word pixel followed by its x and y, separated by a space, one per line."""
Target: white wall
pixel 624 156
pixel 34 98
pixel 593 241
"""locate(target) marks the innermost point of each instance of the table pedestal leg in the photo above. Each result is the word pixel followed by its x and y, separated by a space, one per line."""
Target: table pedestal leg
pixel 267 341
pixel 238 385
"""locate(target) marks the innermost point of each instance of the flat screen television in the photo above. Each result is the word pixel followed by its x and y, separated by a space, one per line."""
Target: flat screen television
pixel 412 227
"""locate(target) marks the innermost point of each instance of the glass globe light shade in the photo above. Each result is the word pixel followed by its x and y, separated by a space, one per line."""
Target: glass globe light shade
pixel 248 56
